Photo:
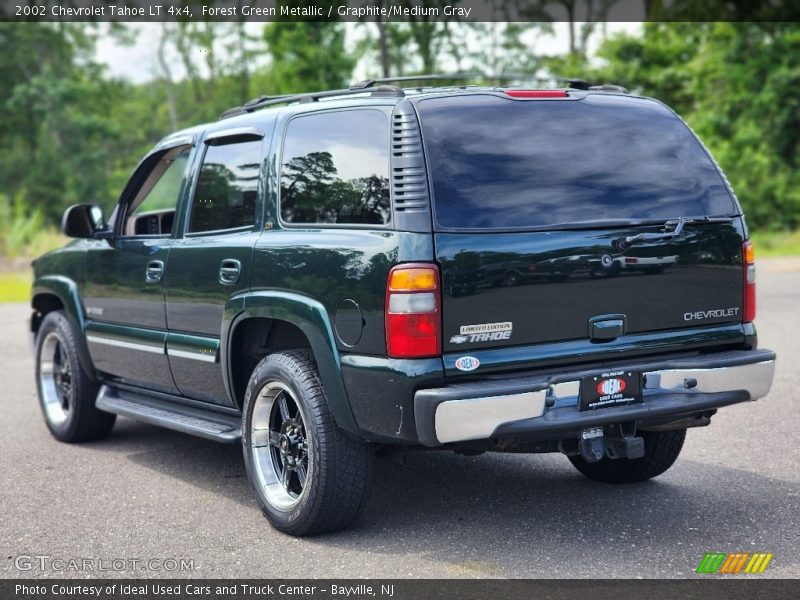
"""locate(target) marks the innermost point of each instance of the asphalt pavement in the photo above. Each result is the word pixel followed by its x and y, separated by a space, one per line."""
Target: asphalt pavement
pixel 150 494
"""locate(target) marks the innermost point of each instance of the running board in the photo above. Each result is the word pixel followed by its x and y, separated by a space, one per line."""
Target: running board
pixel 186 419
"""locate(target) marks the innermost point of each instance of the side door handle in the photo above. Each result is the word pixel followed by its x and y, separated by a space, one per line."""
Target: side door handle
pixel 154 271
pixel 229 271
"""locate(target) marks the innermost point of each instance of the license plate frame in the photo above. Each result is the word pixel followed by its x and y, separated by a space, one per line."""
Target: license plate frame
pixel 610 389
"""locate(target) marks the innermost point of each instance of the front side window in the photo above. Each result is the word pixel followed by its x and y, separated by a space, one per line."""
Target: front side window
pixel 335 169
pixel 152 211
pixel 227 188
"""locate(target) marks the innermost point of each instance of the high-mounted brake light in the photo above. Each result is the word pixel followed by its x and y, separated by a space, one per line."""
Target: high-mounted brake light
pixel 413 314
pixel 536 93
pixel 749 266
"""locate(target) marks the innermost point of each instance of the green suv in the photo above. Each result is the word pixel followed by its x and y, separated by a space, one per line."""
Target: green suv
pixel 464 268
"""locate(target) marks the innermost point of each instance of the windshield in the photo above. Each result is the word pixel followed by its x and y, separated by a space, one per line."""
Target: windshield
pixel 497 163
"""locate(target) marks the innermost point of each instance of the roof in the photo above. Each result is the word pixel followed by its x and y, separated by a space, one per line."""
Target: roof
pixel 264 108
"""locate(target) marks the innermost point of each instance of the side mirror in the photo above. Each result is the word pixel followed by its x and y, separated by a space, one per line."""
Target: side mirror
pixel 83 221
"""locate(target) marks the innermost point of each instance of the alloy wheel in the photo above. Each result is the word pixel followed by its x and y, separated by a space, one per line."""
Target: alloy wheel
pixel 279 445
pixel 55 378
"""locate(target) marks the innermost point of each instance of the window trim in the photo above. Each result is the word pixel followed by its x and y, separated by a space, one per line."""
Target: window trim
pixel 187 221
pixel 388 226
pixel 214 232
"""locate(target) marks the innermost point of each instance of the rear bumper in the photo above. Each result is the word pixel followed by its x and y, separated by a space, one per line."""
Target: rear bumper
pixel 545 407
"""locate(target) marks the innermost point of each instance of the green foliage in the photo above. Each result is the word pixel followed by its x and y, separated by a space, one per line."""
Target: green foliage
pixel 58 142
pixel 70 133
pixel 776 244
pixel 24 233
pixel 736 85
pixel 307 55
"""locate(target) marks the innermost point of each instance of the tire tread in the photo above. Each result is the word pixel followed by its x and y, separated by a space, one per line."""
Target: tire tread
pixel 345 478
pixel 86 422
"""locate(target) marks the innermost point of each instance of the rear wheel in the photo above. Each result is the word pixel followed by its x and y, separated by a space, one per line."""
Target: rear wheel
pixel 661 449
pixel 66 393
pixel 309 477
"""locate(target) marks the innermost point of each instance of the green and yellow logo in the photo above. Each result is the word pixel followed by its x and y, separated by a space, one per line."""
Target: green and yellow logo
pixel 734 563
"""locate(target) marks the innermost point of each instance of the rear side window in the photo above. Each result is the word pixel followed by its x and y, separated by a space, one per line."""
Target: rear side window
pixel 335 169
pixel 506 164
pixel 227 188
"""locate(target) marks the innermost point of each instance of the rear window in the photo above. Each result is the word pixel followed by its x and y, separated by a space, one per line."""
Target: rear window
pixel 507 164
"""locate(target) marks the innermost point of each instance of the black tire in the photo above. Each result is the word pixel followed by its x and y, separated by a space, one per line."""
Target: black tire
pixel 63 383
pixel 511 279
pixel 338 468
pixel 661 449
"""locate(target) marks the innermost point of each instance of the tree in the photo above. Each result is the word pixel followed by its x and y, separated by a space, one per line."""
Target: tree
pixel 736 85
pixel 57 142
pixel 307 55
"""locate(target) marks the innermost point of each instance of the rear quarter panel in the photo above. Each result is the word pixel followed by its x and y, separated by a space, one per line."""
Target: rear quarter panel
pixel 332 265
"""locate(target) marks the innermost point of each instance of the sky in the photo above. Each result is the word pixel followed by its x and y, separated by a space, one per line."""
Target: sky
pixel 137 62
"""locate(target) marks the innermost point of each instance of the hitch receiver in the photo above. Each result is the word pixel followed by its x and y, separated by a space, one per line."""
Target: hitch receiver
pixel 592 445
pixel 627 447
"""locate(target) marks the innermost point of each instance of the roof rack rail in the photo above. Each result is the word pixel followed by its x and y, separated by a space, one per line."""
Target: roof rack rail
pixel 580 84
pixel 610 87
pixel 473 75
pixel 381 87
pixel 370 83
pixel 575 84
pixel 264 101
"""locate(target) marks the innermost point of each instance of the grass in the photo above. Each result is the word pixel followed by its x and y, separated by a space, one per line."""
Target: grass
pixel 776 244
pixel 23 237
pixel 15 286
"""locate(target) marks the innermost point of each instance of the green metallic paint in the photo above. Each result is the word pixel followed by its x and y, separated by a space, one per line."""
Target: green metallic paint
pixel 577 351
pixel 127 333
pixel 381 392
pixel 332 264
pixel 196 368
pixel 66 291
pixel 132 354
pixel 204 347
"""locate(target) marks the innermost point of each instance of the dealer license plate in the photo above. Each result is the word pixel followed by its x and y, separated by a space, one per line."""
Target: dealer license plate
pixel 614 388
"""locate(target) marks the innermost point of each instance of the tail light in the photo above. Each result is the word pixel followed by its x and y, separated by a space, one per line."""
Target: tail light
pixel 413 313
pixel 536 93
pixel 749 265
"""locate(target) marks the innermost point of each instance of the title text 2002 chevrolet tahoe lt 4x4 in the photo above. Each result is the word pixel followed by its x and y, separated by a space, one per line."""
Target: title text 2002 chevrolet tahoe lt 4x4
pixel 468 268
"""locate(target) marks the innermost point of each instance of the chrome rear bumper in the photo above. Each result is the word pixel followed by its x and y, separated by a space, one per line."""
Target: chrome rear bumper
pixel 545 406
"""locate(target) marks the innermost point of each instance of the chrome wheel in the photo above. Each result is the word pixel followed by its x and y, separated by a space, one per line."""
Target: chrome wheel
pixel 279 446
pixel 55 379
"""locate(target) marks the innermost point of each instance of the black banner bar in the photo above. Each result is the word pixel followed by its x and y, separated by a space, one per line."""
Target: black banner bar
pixel 731 588
pixel 143 11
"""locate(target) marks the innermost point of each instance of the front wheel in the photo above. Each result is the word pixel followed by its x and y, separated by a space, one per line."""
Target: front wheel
pixel 66 393
pixel 661 450
pixel 308 476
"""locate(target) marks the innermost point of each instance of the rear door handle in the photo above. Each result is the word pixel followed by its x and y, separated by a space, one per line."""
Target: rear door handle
pixel 229 271
pixel 154 271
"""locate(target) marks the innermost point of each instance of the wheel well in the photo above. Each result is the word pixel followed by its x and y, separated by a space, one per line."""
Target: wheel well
pixel 43 304
pixel 254 339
